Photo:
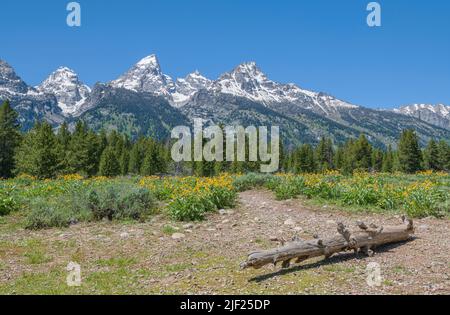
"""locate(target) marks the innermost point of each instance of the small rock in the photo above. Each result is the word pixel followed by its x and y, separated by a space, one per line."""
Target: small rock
pixel 124 235
pixel 222 212
pixel 289 222
pixel 298 229
pixel 188 226
pixel 178 236
pixel 211 230
pixel 225 221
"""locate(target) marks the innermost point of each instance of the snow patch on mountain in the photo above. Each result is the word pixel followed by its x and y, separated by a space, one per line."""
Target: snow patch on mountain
pixel 439 109
pixel 438 115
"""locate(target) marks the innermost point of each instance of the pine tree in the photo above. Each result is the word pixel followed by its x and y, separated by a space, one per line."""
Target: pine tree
pixel 78 154
pixel 388 160
pixel 377 160
pixel 325 154
pixel 136 156
pixel 149 165
pixel 444 155
pixel 431 156
pixel 38 154
pixel 9 139
pixel 409 153
pixel 63 139
pixel 124 162
pixel 339 158
pixel 349 157
pixel 305 159
pixel 362 153
pixel 94 148
pixel 109 165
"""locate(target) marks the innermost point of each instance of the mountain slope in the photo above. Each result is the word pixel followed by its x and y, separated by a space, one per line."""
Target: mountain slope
pixel 222 108
pixel 130 112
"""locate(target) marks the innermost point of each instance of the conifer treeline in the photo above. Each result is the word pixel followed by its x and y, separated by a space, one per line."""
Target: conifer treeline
pixel 361 155
pixel 43 153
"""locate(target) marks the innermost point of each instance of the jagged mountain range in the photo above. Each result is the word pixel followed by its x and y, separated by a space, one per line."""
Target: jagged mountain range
pixel 438 115
pixel 146 101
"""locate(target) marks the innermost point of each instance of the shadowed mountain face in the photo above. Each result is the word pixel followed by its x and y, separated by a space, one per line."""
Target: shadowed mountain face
pixel 146 101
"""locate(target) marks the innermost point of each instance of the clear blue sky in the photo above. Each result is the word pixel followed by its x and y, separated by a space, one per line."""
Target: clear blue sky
pixel 323 45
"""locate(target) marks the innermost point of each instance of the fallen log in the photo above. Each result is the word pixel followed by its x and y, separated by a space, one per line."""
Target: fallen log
pixel 364 240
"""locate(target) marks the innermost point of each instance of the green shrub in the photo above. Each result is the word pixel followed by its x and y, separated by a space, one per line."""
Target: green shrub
pixel 120 202
pixel 190 208
pixel 289 187
pixel 251 180
pixel 57 212
pixel 194 206
pixel 421 203
pixel 8 203
pixel 114 202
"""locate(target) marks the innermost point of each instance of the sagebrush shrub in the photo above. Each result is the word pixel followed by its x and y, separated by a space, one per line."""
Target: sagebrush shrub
pixel 113 202
pixel 120 202
pixel 251 180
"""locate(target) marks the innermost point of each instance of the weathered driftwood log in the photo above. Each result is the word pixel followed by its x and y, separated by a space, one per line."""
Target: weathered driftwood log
pixel 365 239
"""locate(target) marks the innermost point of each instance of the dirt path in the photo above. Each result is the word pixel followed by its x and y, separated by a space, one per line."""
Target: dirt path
pixel 145 258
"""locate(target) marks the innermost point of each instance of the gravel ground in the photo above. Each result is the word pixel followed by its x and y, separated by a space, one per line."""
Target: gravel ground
pixel 164 257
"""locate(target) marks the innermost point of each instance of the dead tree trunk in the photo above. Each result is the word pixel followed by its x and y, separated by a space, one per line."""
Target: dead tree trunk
pixel 365 240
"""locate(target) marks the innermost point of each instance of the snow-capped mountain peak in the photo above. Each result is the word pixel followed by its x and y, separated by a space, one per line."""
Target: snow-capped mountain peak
pixel 68 89
pixel 146 76
pixel 151 61
pixel 247 80
pixel 187 87
pixel 9 81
